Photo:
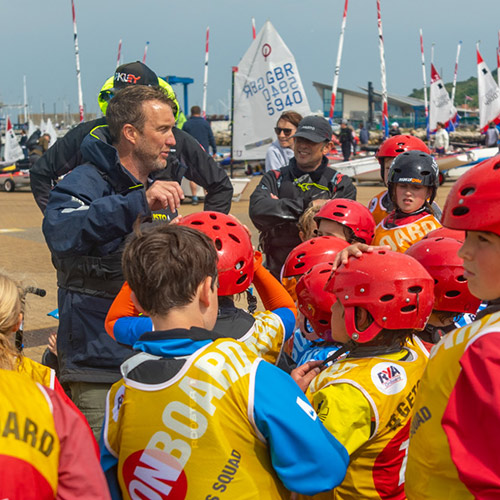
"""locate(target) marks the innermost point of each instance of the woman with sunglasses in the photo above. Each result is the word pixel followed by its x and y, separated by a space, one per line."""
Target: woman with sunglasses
pixel 281 150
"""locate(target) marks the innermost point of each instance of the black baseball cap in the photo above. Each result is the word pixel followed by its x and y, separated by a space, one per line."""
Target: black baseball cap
pixel 315 129
pixel 135 73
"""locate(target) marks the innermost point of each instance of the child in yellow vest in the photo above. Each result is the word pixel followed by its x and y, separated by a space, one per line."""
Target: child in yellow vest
pixel 197 414
pixel 381 205
pixel 412 186
pixel 454 441
pixel 47 450
pixel 366 399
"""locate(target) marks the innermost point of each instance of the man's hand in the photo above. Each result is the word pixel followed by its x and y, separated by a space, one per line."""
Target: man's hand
pixel 303 374
pixel 164 194
pixel 355 250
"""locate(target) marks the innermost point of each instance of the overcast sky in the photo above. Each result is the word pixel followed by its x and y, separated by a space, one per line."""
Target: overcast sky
pixel 37 41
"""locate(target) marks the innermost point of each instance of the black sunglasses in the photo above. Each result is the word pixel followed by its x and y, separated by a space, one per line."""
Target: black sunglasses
pixel 286 131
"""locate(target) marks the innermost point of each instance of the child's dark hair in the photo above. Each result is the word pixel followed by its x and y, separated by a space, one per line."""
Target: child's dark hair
pixel 164 266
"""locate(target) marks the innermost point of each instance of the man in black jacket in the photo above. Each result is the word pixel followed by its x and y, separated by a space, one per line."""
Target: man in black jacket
pixel 283 195
pixel 187 159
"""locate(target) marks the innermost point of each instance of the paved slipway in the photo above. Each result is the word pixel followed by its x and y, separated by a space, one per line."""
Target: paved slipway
pixel 25 256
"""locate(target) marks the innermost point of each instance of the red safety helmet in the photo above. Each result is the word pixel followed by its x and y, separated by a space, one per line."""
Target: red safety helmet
pixel 351 214
pixel 472 204
pixel 440 257
pixel 234 248
pixel 311 252
pixel 444 232
pixel 393 146
pixel 314 302
pixel 394 288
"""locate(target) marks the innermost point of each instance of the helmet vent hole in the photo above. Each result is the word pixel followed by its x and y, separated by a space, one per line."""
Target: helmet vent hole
pixel 301 254
pixel 468 191
pixel 239 265
pixel 496 166
pixel 218 244
pixel 324 271
pixel 425 172
pixel 461 278
pixel 299 265
pixel 233 237
pixel 459 211
pixel 452 293
pixel 323 322
pixel 213 216
pixel 232 224
pixel 241 279
pixel 338 214
pixel 387 298
pixel 197 223
pixel 217 228
pixel 415 289
pixel 407 309
pixel 436 281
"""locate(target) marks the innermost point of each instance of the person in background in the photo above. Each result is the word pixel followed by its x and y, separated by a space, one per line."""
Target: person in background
pixel 281 150
pixel 200 129
pixel 346 139
pixel 364 135
pixel 283 195
pixel 441 139
pixel 491 139
pixel 394 130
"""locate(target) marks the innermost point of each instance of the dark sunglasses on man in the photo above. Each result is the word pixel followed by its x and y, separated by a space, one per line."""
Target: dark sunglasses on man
pixel 286 131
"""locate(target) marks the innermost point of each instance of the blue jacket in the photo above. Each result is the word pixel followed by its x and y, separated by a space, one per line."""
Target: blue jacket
pixel 89 214
pixel 200 129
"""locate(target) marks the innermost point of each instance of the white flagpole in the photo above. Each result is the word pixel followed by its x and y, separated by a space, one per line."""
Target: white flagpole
pixel 337 64
pixel 205 77
pixel 119 57
pixel 426 102
pixel 145 53
pixel 385 113
pixel 498 59
pixel 455 74
pixel 77 57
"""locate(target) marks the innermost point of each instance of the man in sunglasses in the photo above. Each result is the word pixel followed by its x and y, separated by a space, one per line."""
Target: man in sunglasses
pixel 283 195
pixel 280 151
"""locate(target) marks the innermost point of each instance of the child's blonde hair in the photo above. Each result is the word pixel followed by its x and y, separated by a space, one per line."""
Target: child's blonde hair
pixel 306 224
pixel 11 306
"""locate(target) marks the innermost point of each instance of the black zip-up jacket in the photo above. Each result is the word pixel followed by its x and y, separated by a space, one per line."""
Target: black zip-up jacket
pixel 277 219
pixel 188 160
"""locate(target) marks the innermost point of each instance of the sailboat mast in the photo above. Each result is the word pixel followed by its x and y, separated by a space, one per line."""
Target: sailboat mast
pixel 118 58
pixel 455 73
pixel 385 113
pixel 498 59
pixel 145 53
pixel 426 102
pixel 77 58
pixel 26 115
pixel 254 33
pixel 337 64
pixel 205 77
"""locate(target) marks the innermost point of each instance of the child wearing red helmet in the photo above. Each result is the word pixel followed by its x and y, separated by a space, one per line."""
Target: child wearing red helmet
pixel 365 399
pixel 412 186
pixel 454 441
pixel 264 332
pixel 452 298
pixel 381 205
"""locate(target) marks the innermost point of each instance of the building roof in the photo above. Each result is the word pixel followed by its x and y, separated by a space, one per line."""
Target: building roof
pixel 407 101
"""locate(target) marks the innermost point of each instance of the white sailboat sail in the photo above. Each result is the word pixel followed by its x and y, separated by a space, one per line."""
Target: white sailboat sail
pixel 266 84
pixel 12 150
pixel 441 107
pixel 489 95
pixel 31 128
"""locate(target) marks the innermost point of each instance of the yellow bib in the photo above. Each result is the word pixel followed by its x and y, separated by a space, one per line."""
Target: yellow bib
pixel 401 238
pixel 377 209
pixel 431 472
pixel 377 467
pixel 28 437
pixel 192 436
pixel 37 372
